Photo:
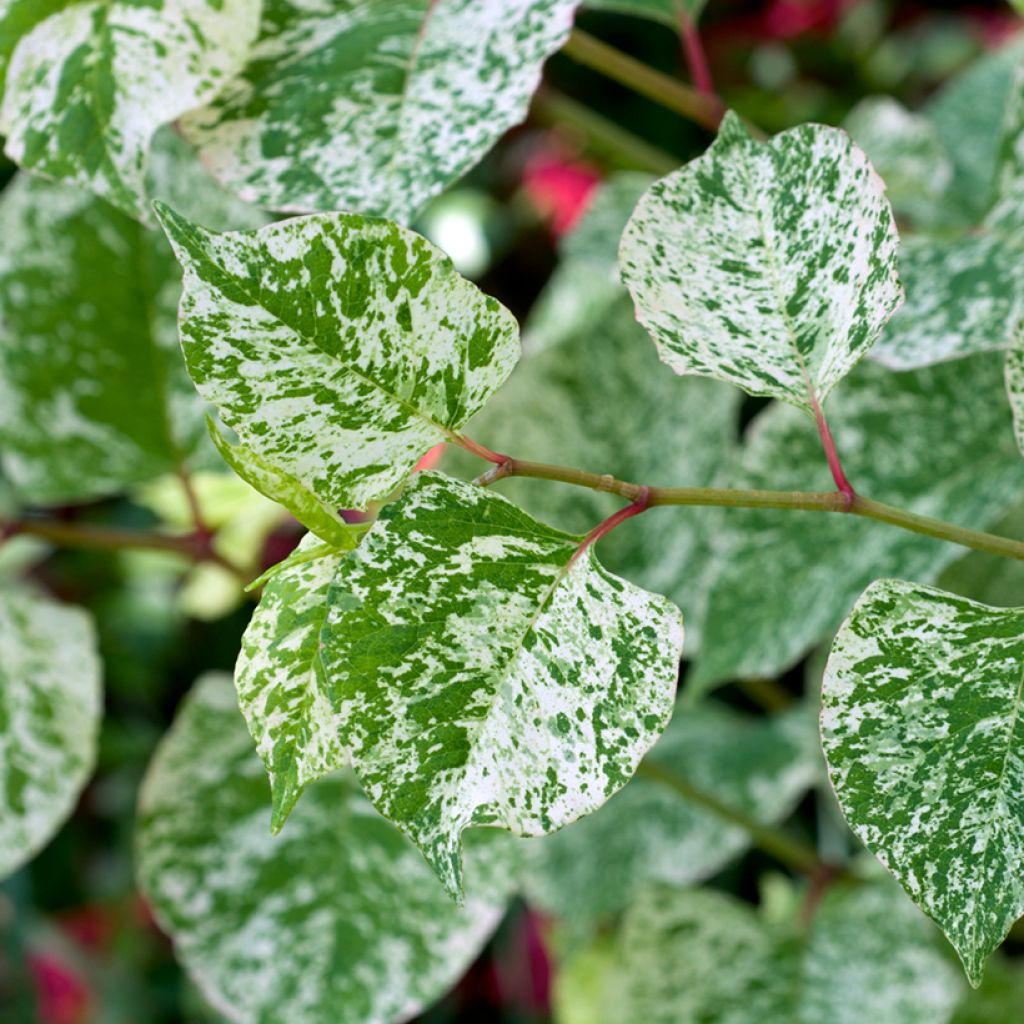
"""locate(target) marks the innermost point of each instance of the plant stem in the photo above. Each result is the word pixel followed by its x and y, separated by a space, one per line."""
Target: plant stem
pixel 695 57
pixel 815 501
pixel 705 110
pixel 831 452
pixel 603 136
pixel 100 538
pixel 787 850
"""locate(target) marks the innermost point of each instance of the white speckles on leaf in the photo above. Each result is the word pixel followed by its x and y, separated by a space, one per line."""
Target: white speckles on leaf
pixel 375 107
pixel 339 348
pixel 50 706
pixel 482 679
pixel 924 740
pixel 335 921
pixel 86 84
pixel 769 265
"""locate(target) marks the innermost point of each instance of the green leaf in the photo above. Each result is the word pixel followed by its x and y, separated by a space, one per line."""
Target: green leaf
pixel 649 833
pixel 1015 384
pixel 279 677
pixel 934 441
pixel 667 12
pixel 768 265
pixel 345 394
pixel 50 707
pixel 336 921
pixel 905 148
pixel 685 957
pixel 971 115
pixel 922 735
pixel 86 85
pixel 585 284
pixel 93 392
pixel 991 579
pixel 410 96
pixel 485 677
pixel 964 295
pixel 285 490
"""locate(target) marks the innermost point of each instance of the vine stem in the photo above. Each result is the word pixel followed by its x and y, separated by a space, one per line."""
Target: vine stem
pixel 695 57
pixel 786 849
pixel 100 538
pixel 725 497
pixel 699 107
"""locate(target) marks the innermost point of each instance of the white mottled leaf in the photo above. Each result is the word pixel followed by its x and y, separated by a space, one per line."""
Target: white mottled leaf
pixel 686 957
pixel 600 400
pixel 768 265
pixel 279 677
pixel 904 147
pixel 277 485
pixel 86 84
pixel 649 833
pixel 923 738
pixel 485 677
pixel 93 392
pixel 50 707
pixel 375 107
pixel 339 348
pixel 964 295
pixel 936 441
pixel 336 921
pixel 1015 385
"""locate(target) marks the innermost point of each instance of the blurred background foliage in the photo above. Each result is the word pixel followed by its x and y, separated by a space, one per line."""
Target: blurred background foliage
pixel 77 944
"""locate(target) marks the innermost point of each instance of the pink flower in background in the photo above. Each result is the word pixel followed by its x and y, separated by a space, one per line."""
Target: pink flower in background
pixel 63 997
pixel 559 187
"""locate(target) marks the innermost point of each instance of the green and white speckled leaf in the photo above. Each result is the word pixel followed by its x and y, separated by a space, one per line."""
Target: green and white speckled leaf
pixel 922 734
pixel 904 147
pixel 50 707
pixel 768 265
pixel 277 485
pixel 648 833
pixel 93 393
pixel 936 441
pixel 336 921
pixel 279 678
pixel 686 957
pixel 665 11
pixel 601 400
pixel 999 997
pixel 484 677
pixel 375 107
pixel 585 284
pixel 86 83
pixel 964 295
pixel 1015 385
pixel 339 348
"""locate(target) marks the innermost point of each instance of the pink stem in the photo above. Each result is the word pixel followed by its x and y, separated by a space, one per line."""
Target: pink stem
pixel 479 450
pixel 603 529
pixel 695 57
pixel 831 454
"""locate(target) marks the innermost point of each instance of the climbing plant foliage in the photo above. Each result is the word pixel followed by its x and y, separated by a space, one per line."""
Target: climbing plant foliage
pixel 461 685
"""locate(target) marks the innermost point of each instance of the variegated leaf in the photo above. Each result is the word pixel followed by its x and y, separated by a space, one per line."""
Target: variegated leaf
pixel 339 348
pixel 337 921
pixel 936 441
pixel 1015 384
pixel 904 147
pixel 375 107
pixel 686 957
pixel 93 392
pixel 769 265
pixel 484 675
pixel 50 707
pixel 649 833
pixel 925 748
pixel 277 485
pixel 279 677
pixel 86 83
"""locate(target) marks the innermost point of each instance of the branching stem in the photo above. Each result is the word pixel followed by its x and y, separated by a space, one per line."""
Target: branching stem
pixel 726 497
